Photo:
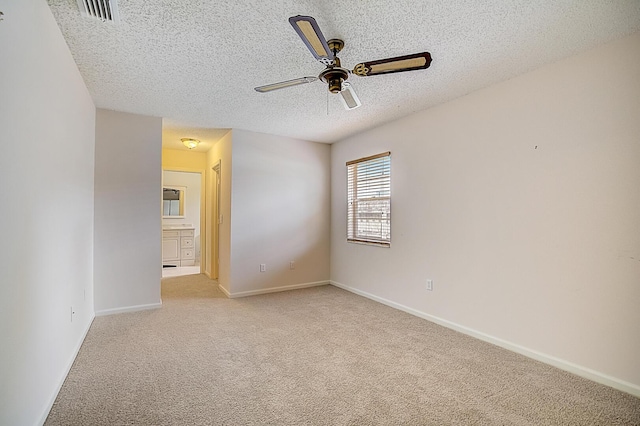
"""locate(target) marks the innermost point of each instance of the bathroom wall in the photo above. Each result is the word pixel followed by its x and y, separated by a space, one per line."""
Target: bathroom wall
pixel 177 159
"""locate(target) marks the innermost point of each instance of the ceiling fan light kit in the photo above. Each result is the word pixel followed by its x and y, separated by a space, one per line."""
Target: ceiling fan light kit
pixel 348 96
pixel 326 52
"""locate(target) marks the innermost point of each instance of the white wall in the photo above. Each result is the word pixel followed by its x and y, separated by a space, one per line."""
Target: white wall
pixel 192 183
pixel 128 197
pixel 522 203
pixel 280 212
pixel 47 123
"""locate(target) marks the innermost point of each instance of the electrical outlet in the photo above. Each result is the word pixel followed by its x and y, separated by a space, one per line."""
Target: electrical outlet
pixel 430 285
pixel 292 265
pixel 263 267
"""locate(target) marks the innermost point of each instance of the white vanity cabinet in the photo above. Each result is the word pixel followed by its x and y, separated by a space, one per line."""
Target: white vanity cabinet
pixel 178 247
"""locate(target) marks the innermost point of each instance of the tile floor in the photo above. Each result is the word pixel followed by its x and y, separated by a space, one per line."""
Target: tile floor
pixel 180 270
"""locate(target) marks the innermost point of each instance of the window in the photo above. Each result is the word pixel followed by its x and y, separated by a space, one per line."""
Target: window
pixel 369 200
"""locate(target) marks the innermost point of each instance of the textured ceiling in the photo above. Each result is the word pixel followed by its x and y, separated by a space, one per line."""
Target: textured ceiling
pixel 195 62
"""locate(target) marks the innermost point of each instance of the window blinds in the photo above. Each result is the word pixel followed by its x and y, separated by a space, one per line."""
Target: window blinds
pixel 369 200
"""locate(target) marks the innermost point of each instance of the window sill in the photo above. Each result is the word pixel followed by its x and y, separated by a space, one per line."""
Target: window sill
pixel 370 243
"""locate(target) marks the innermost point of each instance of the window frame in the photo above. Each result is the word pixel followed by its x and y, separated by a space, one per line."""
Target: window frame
pixel 353 200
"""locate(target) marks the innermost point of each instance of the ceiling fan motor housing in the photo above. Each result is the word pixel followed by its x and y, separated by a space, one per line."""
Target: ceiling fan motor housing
pixel 334 75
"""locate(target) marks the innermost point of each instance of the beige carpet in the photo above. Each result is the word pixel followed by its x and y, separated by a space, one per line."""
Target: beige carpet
pixel 317 356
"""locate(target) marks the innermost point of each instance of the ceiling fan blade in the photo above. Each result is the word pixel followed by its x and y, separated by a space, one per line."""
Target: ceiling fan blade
pixel 348 96
pixel 417 61
pixel 284 84
pixel 309 31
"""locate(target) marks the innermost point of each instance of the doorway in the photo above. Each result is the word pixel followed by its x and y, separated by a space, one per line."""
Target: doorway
pixel 182 222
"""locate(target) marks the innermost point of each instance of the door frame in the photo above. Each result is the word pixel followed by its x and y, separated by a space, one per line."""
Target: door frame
pixel 203 227
pixel 215 220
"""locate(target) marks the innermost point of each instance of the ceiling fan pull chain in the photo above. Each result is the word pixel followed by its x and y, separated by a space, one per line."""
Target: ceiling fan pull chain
pixel 327 103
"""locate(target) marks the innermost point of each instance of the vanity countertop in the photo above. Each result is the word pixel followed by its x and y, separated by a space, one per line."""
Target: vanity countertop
pixel 176 227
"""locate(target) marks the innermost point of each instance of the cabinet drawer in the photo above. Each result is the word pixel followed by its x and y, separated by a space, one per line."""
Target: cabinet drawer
pixel 187 233
pixel 187 254
pixel 186 242
pixel 170 234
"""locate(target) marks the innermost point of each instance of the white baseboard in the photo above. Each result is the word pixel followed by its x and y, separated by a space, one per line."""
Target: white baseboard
pixel 273 289
pixel 128 309
pixel 576 369
pixel 224 290
pixel 65 372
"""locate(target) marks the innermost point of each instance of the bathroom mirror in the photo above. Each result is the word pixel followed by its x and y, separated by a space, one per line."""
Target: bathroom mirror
pixel 173 202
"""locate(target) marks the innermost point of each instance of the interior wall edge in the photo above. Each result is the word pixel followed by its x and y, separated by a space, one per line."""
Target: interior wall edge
pixel 65 372
pixel 125 309
pixel 224 290
pixel 275 289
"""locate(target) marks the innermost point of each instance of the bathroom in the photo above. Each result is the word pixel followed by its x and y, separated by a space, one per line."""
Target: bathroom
pixel 181 242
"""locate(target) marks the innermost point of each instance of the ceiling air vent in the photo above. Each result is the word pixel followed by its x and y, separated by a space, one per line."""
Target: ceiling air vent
pixel 104 10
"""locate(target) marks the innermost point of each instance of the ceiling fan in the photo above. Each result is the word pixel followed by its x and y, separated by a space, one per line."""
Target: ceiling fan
pixel 334 75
